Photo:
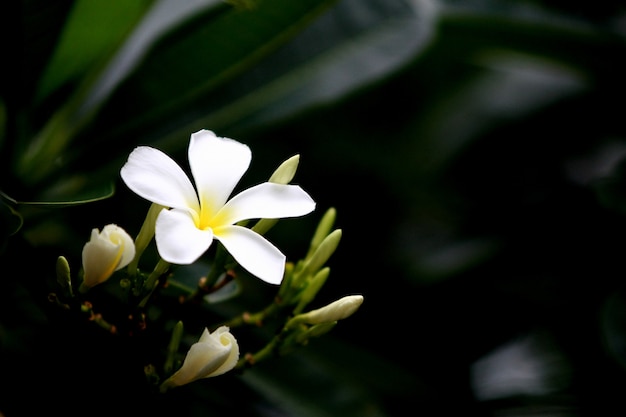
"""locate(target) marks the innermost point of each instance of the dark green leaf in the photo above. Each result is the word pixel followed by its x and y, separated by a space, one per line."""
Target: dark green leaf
pixel 71 192
pixel 181 74
pixel 11 220
pixel 91 33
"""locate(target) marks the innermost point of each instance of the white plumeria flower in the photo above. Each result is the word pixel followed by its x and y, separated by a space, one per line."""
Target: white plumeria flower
pixel 106 252
pixel 199 215
pixel 212 355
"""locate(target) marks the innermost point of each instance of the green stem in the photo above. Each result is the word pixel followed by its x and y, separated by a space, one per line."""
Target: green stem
pixel 218 267
pixel 267 351
pixel 172 348
pixel 144 237
pixel 207 285
pixel 87 309
pixel 255 318
pixel 153 280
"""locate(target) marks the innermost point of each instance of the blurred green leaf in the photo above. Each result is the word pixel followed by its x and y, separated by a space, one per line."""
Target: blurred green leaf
pixel 92 33
pixel 351 46
pixel 78 191
pixel 500 64
pixel 180 75
pixel 242 83
pixel 70 192
pixel 93 30
pixel 150 82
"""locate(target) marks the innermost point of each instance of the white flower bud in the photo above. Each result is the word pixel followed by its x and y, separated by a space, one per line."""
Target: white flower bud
pixel 214 354
pixel 105 253
pixel 337 310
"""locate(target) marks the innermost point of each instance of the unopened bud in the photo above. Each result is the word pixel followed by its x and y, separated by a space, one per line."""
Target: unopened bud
pixel 283 175
pixel 106 252
pixel 314 285
pixel 214 354
pixel 143 239
pixel 64 278
pixel 316 330
pixel 286 171
pixel 323 252
pixel 337 310
pixel 323 229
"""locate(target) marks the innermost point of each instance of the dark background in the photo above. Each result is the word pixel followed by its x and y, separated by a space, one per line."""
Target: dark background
pixel 479 184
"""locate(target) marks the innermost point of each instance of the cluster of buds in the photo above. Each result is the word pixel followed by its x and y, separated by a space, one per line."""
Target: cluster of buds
pixel 184 220
pixel 302 282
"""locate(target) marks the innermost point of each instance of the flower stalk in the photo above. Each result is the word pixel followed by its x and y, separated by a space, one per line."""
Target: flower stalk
pixel 152 282
pixel 172 348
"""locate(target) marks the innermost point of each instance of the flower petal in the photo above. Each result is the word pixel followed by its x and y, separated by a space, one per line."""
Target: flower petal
pixel 158 178
pixel 100 259
pixel 253 252
pixel 178 239
pixel 201 361
pixel 217 164
pixel 267 201
pixel 118 235
pixel 228 340
pixel 212 355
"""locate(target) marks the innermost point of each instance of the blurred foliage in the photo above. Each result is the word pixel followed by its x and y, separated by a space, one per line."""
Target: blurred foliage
pixel 473 149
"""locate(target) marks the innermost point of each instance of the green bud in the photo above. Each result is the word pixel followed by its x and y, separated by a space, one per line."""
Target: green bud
pixel 292 285
pixel 144 237
pixel 263 225
pixel 325 249
pixel 286 171
pixel 314 285
pixel 283 175
pixel 316 331
pixel 64 278
pixel 323 229
pixel 286 284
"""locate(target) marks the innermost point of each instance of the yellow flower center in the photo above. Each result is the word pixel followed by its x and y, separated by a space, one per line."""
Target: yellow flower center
pixel 209 217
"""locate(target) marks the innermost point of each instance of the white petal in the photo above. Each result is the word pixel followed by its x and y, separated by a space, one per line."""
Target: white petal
pixel 100 259
pixel 253 252
pixel 217 165
pixel 229 341
pixel 118 235
pixel 204 337
pixel 268 201
pixel 178 239
pixel 201 360
pixel 337 310
pixel 158 178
